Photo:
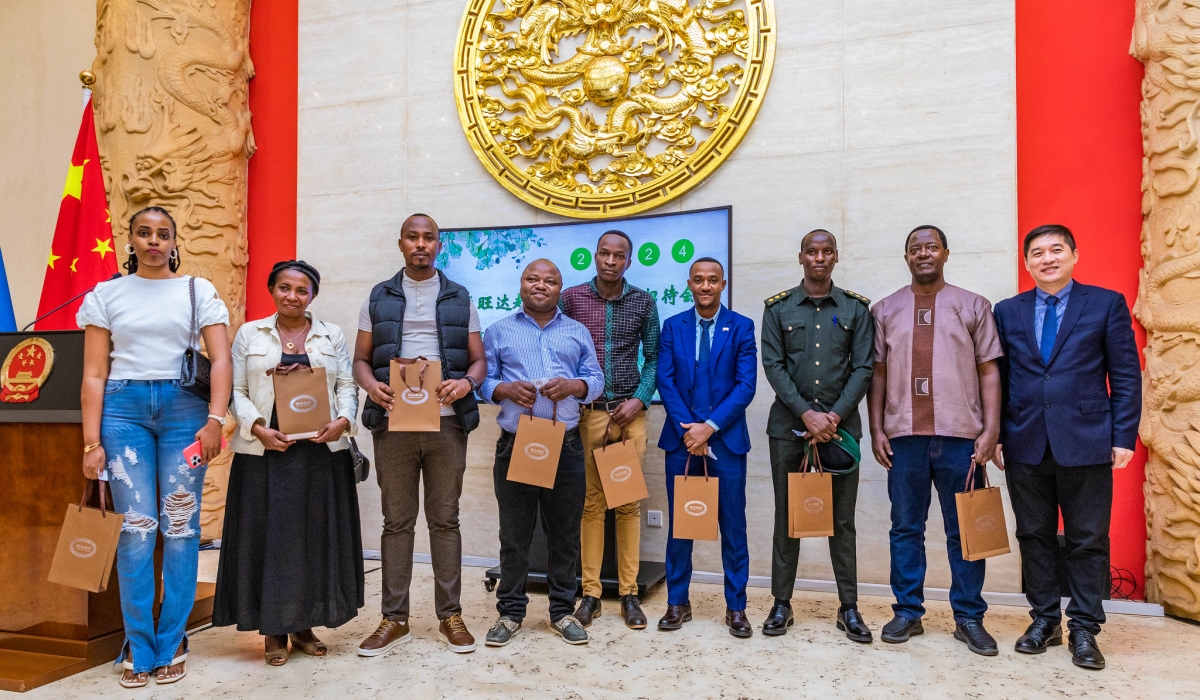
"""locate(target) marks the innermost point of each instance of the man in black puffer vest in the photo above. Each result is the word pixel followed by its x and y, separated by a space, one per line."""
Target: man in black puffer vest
pixel 420 313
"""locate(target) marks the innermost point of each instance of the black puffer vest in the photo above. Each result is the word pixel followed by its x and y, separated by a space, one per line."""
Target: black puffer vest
pixel 453 320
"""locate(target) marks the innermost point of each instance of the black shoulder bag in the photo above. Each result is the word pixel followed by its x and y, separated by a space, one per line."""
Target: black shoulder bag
pixel 362 465
pixel 196 372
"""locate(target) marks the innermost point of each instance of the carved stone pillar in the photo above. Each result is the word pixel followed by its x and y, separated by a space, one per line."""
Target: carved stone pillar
pixel 1166 39
pixel 173 126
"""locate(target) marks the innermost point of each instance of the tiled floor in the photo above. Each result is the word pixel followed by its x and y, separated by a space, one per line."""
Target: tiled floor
pixel 1152 658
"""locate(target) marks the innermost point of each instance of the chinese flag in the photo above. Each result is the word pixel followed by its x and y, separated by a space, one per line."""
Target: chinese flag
pixel 82 253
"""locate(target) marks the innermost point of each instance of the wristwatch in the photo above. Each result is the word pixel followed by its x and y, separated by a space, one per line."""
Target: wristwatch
pixel 219 419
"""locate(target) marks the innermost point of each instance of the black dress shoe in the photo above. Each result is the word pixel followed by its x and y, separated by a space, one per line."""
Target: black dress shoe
pixel 852 624
pixel 976 637
pixel 1085 653
pixel 1040 634
pixel 632 610
pixel 589 609
pixel 900 629
pixel 739 626
pixel 675 616
pixel 778 621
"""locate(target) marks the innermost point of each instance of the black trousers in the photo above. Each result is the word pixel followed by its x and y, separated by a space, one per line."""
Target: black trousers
pixel 785 551
pixel 1084 494
pixel 562 511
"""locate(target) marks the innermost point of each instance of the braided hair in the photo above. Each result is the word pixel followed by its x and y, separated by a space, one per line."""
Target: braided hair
pixel 131 265
pixel 299 266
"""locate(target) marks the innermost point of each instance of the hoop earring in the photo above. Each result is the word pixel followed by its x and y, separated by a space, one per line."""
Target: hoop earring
pixel 128 249
pixel 174 253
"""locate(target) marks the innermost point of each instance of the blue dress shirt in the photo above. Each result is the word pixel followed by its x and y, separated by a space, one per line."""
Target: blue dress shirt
pixel 1039 308
pixel 519 350
pixel 712 332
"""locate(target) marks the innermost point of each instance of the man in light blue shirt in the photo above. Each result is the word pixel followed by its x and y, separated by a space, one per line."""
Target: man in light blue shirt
pixel 542 361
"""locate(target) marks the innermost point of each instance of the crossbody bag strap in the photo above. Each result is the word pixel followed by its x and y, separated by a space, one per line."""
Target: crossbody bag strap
pixel 192 327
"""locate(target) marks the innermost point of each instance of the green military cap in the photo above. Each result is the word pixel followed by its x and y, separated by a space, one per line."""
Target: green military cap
pixel 841 454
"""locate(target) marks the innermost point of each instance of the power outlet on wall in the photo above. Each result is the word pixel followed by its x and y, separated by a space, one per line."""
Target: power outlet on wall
pixel 654 518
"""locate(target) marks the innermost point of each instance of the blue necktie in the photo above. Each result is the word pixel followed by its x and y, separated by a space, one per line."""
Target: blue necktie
pixel 1049 328
pixel 705 339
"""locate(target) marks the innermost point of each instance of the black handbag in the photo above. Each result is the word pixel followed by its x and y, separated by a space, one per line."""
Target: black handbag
pixel 362 465
pixel 196 373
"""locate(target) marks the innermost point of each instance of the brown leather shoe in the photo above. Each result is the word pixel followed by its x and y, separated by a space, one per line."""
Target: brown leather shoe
pixel 453 631
pixel 387 635
pixel 589 609
pixel 739 626
pixel 675 616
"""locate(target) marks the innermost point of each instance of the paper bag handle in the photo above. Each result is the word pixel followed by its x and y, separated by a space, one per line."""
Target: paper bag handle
pixel 87 493
pixel 420 375
pixel 285 369
pixel 971 477
pixel 686 464
pixel 608 433
pixel 553 413
pixel 816 456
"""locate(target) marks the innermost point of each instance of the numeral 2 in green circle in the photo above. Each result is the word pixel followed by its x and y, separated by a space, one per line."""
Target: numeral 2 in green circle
pixel 683 250
pixel 581 258
pixel 648 254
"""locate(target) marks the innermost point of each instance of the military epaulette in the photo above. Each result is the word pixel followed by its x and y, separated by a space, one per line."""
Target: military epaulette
pixel 778 297
pixel 858 296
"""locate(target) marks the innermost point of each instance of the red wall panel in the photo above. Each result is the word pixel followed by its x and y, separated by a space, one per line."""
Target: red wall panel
pixel 1079 163
pixel 271 206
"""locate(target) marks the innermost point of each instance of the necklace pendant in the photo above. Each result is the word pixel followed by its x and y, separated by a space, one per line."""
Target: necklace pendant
pixel 291 346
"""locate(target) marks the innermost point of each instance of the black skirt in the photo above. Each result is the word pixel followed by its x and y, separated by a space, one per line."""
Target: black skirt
pixel 291 552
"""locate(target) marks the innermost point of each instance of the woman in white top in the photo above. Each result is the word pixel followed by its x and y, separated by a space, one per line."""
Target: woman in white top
pixel 137 421
pixel 291 550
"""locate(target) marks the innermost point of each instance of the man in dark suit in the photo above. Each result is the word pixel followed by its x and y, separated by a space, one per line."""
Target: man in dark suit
pixel 1072 398
pixel 707 371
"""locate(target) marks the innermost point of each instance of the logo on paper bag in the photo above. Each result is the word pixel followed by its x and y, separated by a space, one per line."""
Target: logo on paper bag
pixel 985 523
pixel 536 450
pixel 696 508
pixel 814 505
pixel 302 403
pixel 414 397
pixel 25 370
pixel 621 473
pixel 82 547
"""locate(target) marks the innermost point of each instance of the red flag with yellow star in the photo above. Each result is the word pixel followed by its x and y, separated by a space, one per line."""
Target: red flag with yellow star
pixel 82 253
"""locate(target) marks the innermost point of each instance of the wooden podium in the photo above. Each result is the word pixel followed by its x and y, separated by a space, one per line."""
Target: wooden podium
pixel 48 631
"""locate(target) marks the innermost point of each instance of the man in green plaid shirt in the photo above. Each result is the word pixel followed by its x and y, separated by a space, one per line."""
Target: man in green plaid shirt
pixel 622 320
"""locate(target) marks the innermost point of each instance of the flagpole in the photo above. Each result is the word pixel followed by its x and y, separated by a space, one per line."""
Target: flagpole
pixel 88 79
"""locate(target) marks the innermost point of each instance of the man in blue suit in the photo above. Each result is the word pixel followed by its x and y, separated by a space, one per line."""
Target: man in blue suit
pixel 707 371
pixel 1072 398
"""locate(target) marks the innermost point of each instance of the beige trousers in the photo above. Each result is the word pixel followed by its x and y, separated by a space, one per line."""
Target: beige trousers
pixel 629 523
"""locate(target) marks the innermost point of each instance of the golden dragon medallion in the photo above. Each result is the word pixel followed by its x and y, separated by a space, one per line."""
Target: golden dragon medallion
pixel 655 97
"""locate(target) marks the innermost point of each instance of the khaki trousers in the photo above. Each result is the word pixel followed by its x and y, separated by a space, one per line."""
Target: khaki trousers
pixel 592 425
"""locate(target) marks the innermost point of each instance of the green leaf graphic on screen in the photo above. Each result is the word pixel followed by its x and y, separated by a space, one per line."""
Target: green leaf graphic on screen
pixel 581 258
pixel 648 254
pixel 683 250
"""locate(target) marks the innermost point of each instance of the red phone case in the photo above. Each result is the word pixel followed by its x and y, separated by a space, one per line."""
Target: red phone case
pixel 195 456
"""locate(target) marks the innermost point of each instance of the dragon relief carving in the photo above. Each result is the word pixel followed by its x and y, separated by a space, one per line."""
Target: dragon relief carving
pixel 171 104
pixel 652 98
pixel 1166 38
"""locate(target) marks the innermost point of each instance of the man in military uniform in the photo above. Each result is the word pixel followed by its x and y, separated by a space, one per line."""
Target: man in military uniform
pixel 817 351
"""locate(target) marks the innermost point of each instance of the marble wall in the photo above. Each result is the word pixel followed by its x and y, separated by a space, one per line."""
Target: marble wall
pixel 43 46
pixel 880 116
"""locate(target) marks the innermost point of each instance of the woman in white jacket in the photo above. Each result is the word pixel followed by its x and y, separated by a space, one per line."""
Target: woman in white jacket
pixel 291 551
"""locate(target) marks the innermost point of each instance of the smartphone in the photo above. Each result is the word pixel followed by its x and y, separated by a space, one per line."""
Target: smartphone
pixel 195 455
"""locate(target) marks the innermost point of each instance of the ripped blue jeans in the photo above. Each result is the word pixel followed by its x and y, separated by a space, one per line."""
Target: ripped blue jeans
pixel 144 429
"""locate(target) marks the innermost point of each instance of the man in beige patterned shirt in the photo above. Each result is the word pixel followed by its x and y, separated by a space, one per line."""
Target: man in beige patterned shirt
pixel 934 407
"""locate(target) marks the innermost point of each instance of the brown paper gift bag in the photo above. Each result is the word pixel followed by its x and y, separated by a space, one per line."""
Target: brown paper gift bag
pixel 536 450
pixel 301 400
pixel 620 470
pixel 87 545
pixel 694 516
pixel 810 499
pixel 416 408
pixel 981 525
